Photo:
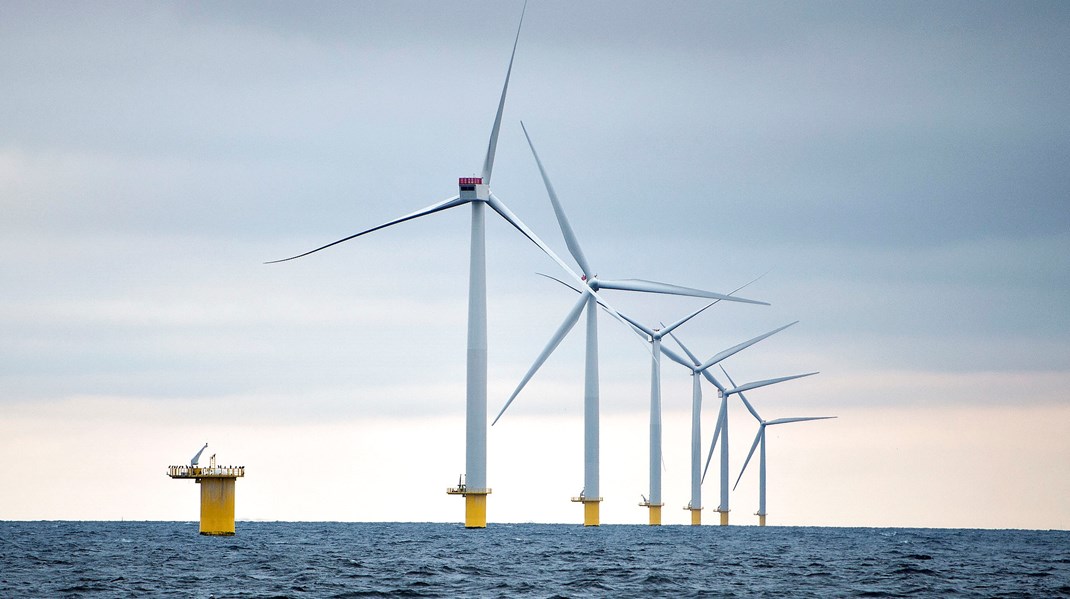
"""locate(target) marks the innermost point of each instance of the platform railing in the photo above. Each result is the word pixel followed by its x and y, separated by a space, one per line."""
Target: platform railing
pixel 205 472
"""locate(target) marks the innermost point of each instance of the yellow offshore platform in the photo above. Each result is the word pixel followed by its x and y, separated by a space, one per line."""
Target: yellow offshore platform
pixel 217 492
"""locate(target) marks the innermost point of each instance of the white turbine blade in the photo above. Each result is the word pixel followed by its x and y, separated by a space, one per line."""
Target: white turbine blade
pixel 438 207
pixel 721 414
pixel 757 438
pixel 743 397
pixel 675 357
pixel 750 408
pixel 749 283
pixel 803 419
pixel 694 359
pixel 566 326
pixel 553 278
pixel 742 346
pixel 656 287
pixel 488 162
pixel 668 329
pixel 512 219
pixel 746 403
pixel 713 381
pixel 638 326
pixel 562 220
pixel 756 384
pixel 728 376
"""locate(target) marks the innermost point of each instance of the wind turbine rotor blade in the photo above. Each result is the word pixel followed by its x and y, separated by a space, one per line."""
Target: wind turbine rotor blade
pixel 742 346
pixel 709 377
pixel 694 359
pixel 553 278
pixel 563 330
pixel 562 220
pixel 757 438
pixel 638 326
pixel 668 329
pixel 488 162
pixel 750 282
pixel 656 287
pixel 713 444
pixel 728 376
pixel 803 419
pixel 512 219
pixel 675 357
pixel 750 408
pixel 438 207
pixel 519 225
pixel 756 384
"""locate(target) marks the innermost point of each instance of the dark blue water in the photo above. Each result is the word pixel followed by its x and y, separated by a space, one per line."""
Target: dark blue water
pixel 169 559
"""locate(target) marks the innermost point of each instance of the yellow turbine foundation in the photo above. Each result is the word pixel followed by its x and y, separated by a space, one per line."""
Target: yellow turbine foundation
pixel 761 520
pixel 696 515
pixel 475 511
pixel 217 506
pixel 655 515
pixel 217 494
pixel 724 517
pixel 591 513
pixel 475 505
pixel 590 509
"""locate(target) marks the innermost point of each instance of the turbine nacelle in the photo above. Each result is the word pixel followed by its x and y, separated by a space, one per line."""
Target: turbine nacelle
pixel 473 189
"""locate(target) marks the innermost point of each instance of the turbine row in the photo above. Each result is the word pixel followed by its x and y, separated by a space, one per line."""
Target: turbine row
pixel 591 496
pixel 475 191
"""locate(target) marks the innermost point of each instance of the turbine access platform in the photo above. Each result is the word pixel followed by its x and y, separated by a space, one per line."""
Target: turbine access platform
pixel 475 503
pixel 217 492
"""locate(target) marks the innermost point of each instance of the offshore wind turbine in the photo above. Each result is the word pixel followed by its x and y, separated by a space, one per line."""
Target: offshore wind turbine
pixel 474 191
pixel 759 438
pixel 588 301
pixel 702 368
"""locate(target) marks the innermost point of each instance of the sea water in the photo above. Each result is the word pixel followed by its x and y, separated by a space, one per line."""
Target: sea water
pixel 284 559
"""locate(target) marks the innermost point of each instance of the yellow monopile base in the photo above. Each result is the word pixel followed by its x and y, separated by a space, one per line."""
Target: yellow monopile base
pixel 724 518
pixel 590 509
pixel 696 516
pixel 217 506
pixel 475 511
pixel 761 520
pixel 590 513
pixel 655 515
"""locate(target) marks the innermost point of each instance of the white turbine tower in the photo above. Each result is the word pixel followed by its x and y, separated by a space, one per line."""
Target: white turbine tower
pixel 475 191
pixel 591 495
pixel 759 438
pixel 702 368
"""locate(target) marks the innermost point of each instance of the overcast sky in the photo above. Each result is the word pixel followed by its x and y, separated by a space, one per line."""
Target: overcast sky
pixel 900 168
